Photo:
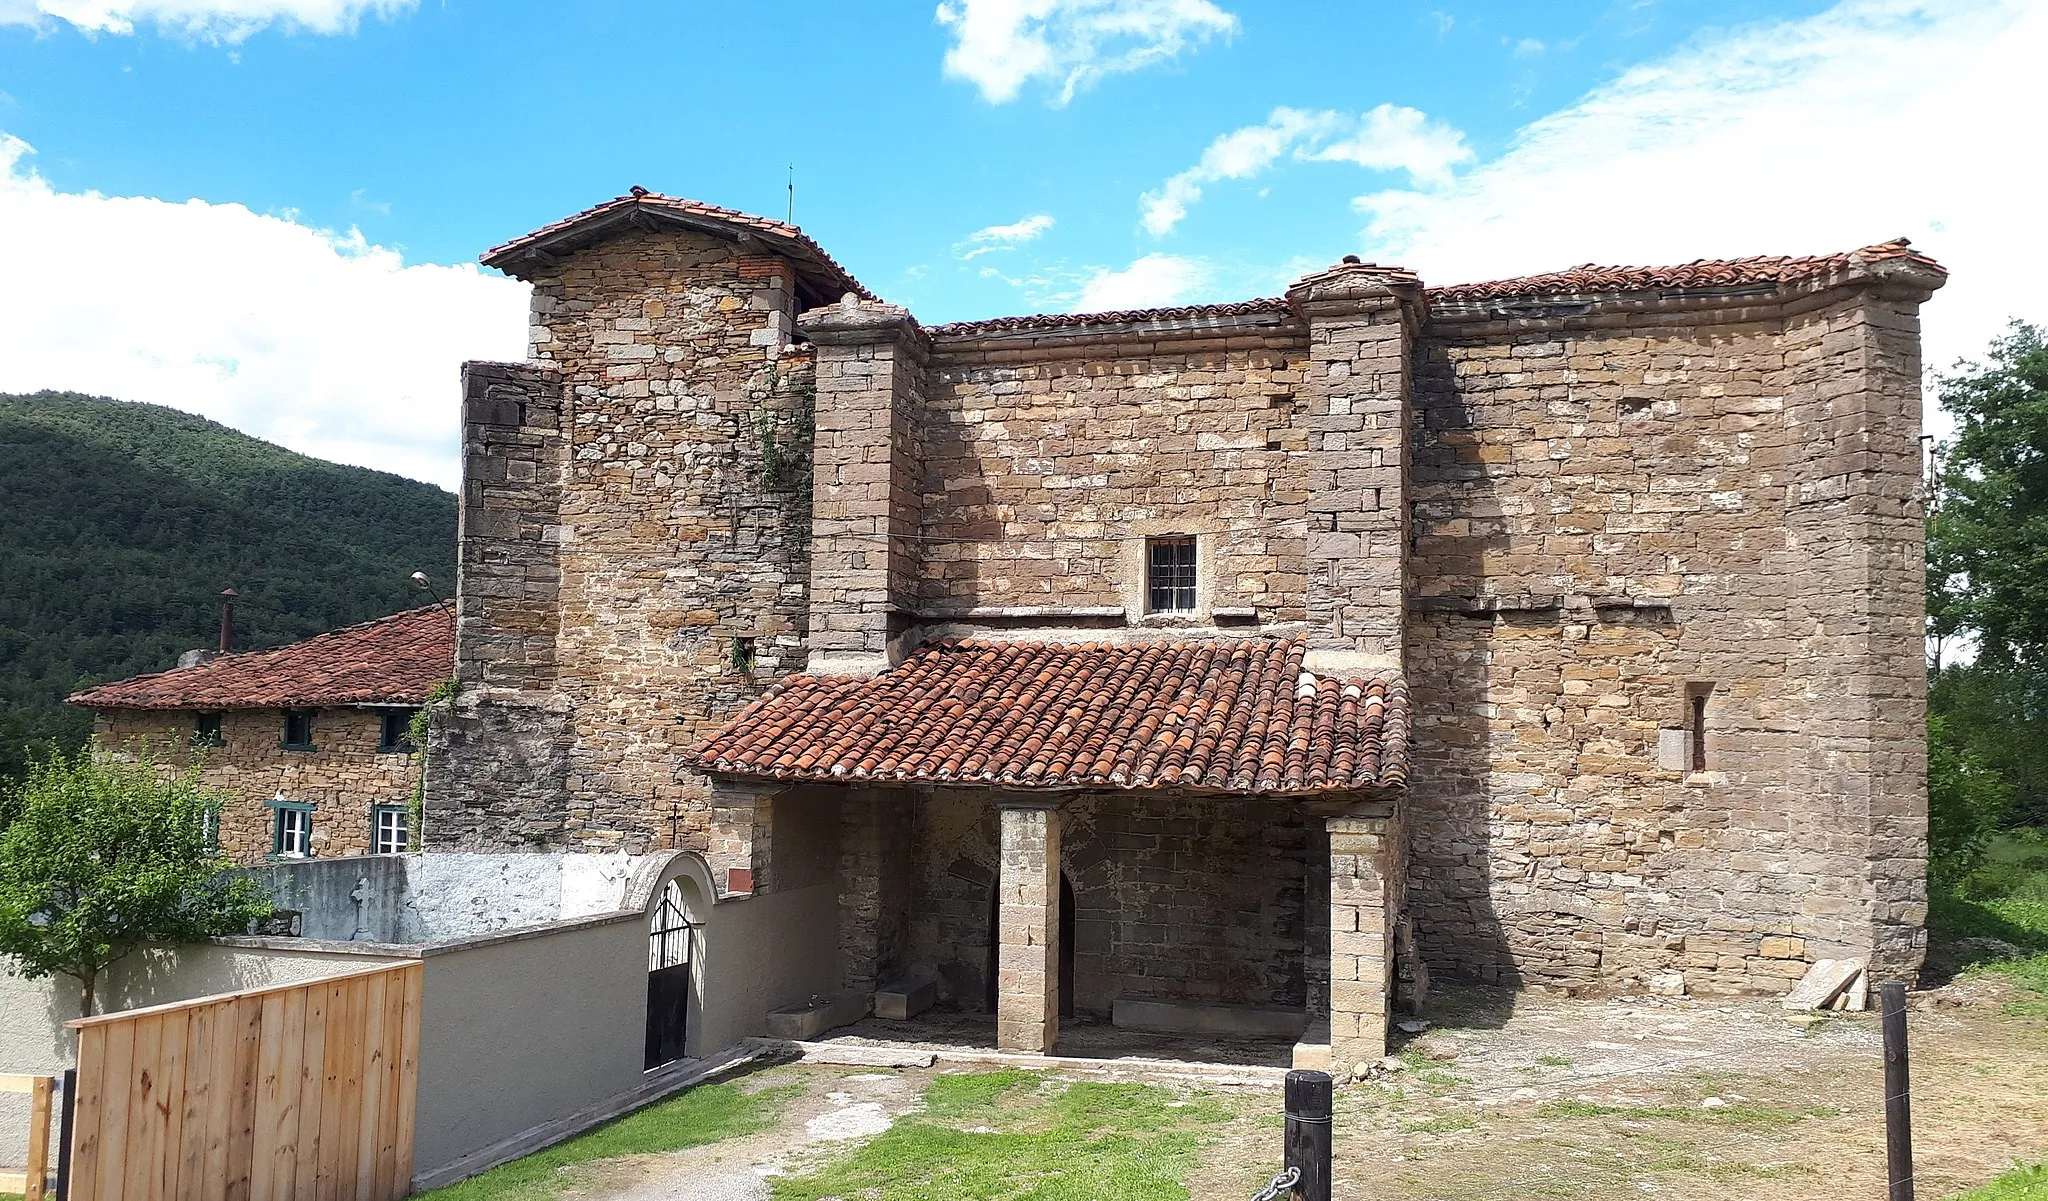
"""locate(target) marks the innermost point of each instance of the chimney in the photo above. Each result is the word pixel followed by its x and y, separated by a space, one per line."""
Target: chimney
pixel 227 620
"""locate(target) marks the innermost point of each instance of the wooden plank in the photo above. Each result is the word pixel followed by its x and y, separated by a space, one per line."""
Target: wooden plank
pixel 375 1055
pixel 145 1090
pixel 312 1086
pixel 88 1111
pixel 284 1122
pixel 414 975
pixel 14 1082
pixel 335 1054
pixel 243 1045
pixel 176 1068
pixel 13 1182
pixel 201 1045
pixel 387 1115
pixel 218 998
pixel 36 1180
pixel 220 1106
pixel 116 1089
pixel 269 1094
pixel 349 1092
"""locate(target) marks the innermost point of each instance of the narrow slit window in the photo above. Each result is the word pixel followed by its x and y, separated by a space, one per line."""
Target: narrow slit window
pixel 1170 575
pixel 1699 731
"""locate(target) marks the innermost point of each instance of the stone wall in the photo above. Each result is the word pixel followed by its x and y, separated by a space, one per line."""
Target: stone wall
pixel 1185 898
pixel 1611 517
pixel 680 568
pixel 343 776
pixel 1046 460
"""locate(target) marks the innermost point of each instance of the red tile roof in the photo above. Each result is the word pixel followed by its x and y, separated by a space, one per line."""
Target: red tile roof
pixel 1575 281
pixel 1236 716
pixel 590 224
pixel 394 660
pixel 1701 273
pixel 1188 312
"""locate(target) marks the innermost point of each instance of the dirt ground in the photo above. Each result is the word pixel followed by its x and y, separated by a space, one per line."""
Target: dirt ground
pixel 1526 1096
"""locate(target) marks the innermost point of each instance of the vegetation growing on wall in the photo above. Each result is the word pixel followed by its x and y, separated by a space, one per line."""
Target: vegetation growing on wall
pixel 786 440
pixel 124 522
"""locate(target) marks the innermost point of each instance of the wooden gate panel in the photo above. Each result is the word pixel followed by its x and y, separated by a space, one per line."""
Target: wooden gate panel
pixel 303 1090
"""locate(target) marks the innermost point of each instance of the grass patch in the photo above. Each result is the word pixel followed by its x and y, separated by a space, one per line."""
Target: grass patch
pixel 1024 1136
pixel 1424 1068
pixel 708 1113
pixel 2023 1183
pixel 1553 1061
pixel 1747 1117
pixel 2008 902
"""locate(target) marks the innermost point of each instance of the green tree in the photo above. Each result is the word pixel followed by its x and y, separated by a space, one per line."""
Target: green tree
pixel 1966 804
pixel 104 855
pixel 1987 544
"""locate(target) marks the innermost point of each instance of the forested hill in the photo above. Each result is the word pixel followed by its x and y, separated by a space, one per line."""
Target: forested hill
pixel 120 523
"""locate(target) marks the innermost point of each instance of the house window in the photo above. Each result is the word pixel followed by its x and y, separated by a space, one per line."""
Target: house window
pixel 291 830
pixel 395 735
pixel 206 730
pixel 1170 575
pixel 390 830
pixel 298 730
pixel 1696 723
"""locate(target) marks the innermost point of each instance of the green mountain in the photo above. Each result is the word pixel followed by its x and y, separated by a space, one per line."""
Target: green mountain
pixel 120 523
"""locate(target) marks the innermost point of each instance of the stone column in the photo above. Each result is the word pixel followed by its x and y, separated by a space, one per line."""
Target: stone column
pixel 1365 867
pixel 741 837
pixel 1362 323
pixel 870 378
pixel 1028 926
pixel 874 886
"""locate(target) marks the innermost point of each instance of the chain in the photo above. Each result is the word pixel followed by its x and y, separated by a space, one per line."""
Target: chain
pixel 1279 1184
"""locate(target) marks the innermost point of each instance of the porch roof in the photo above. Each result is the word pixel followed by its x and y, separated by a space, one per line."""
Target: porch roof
pixel 1219 716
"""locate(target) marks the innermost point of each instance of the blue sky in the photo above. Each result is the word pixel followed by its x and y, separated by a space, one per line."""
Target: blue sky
pixel 266 210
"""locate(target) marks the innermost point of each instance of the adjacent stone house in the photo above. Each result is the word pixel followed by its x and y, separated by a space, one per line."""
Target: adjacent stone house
pixel 309 741
pixel 1231 665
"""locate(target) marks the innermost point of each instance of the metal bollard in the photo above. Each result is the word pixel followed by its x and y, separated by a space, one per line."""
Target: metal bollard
pixel 1309 1096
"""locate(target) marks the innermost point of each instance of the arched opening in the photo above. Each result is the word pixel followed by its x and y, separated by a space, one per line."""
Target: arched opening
pixel 995 952
pixel 671 953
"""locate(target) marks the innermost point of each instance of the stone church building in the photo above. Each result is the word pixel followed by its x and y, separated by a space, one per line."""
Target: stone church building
pixel 1235 663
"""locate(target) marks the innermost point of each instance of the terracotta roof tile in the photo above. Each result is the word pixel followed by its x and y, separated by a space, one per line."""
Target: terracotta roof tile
pixel 1701 273
pixel 1237 716
pixel 394 660
pixel 787 238
pixel 1190 312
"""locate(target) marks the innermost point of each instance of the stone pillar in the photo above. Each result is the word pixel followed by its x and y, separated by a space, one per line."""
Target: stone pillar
pixel 870 378
pixel 874 886
pixel 508 574
pixel 1028 927
pixel 1362 322
pixel 741 837
pixel 1365 871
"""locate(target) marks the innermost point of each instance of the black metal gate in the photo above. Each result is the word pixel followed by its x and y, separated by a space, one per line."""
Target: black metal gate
pixel 671 939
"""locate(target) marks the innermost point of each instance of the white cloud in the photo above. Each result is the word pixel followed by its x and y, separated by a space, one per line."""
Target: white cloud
pixel 999 46
pixel 1874 119
pixel 1149 282
pixel 228 21
pixel 1529 48
pixel 316 340
pixel 1003 237
pixel 1388 138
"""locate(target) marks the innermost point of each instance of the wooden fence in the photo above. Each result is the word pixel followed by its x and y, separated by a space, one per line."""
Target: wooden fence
pixel 35 1181
pixel 300 1090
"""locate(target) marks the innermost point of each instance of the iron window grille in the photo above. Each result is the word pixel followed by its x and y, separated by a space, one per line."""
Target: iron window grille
pixel 395 732
pixel 668 936
pixel 298 730
pixel 390 830
pixel 1170 575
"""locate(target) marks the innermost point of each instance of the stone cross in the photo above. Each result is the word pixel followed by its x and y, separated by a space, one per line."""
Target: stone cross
pixel 360 894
